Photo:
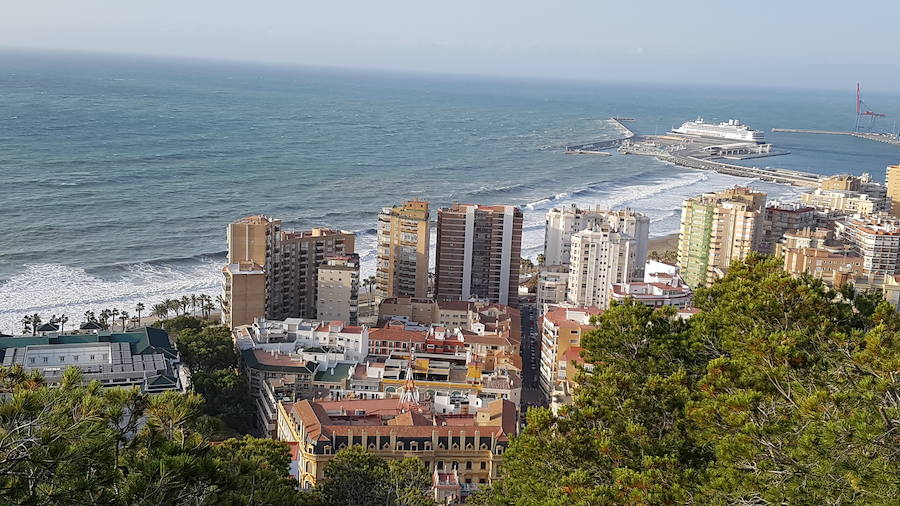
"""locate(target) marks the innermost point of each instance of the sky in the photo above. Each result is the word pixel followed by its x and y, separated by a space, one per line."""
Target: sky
pixel 788 43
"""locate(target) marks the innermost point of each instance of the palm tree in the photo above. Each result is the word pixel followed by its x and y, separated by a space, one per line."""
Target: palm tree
pixel 124 317
pixel 113 316
pixel 194 300
pixel 185 302
pixel 161 310
pixel 139 308
pixel 173 305
pixel 35 323
pixel 26 324
pixel 62 323
pixel 208 308
pixel 104 318
pixel 221 302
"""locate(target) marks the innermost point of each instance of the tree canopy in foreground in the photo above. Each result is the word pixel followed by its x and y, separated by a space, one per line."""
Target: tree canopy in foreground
pixel 782 391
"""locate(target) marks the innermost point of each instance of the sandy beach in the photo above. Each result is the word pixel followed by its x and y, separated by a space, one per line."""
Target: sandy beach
pixel 662 244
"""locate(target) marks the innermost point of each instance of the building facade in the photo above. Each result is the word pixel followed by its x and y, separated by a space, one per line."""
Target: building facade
pixel 478 252
pixel 600 258
pixel 781 218
pixel 404 238
pixel 717 229
pixel 876 240
pixel 338 289
pixel 289 262
pixel 471 445
pixel 145 357
pixel 561 330
pixel 563 222
pixel 892 182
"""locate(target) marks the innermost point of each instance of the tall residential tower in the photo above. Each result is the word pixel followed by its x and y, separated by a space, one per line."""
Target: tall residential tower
pixel 403 244
pixel 717 229
pixel 478 253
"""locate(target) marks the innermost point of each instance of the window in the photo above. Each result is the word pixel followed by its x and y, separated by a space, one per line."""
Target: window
pixel 469 465
pixel 483 466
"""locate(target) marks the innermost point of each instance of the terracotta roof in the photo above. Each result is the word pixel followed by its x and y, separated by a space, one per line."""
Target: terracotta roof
pixel 573 353
pixel 397 334
pixel 558 315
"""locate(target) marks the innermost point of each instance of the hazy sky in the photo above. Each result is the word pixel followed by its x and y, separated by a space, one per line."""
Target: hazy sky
pixel 824 43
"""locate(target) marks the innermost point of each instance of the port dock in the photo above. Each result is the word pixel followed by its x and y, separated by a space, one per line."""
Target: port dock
pixel 886 138
pixel 695 152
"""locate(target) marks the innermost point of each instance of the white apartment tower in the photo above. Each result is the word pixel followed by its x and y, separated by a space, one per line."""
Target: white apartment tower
pixel 563 222
pixel 599 258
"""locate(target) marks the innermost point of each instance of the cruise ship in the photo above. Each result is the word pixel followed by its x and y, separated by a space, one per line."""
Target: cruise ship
pixel 732 129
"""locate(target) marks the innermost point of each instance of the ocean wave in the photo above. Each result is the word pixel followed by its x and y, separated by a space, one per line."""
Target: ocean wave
pixel 49 289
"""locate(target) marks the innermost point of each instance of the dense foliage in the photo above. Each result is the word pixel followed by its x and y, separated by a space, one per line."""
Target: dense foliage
pixel 781 391
pixel 210 356
pixel 359 478
pixel 83 444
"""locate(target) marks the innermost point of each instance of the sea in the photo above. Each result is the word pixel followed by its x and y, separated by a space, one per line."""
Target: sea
pixel 119 174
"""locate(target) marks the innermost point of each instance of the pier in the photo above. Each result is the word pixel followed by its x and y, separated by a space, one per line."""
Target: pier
pixel 784 176
pixel 886 138
pixel 596 147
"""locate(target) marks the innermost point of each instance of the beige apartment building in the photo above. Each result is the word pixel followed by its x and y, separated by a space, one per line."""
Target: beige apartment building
pixel 892 181
pixel 297 262
pixel 252 243
pixel 404 238
pixel 338 289
pixel 244 293
pixel 717 229
pixel 478 252
pixel 815 252
pixel 288 262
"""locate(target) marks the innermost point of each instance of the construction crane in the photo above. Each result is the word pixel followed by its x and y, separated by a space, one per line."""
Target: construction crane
pixel 863 111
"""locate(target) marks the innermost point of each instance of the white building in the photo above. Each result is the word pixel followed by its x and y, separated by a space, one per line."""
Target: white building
pixel 293 334
pixel 563 222
pixel 876 240
pixel 599 259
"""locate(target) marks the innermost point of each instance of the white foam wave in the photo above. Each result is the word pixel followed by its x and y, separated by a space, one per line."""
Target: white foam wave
pixel 49 289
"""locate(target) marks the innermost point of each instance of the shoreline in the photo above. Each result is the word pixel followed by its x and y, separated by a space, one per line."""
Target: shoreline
pixel 663 243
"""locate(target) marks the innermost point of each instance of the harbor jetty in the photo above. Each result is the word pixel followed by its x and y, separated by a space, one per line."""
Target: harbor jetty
pixel 886 138
pixel 698 152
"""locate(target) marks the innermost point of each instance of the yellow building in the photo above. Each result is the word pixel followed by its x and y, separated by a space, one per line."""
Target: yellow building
pixel 471 444
pixel 892 181
pixel 403 248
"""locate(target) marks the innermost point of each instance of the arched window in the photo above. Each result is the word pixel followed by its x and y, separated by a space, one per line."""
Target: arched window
pixel 428 445
pixel 399 445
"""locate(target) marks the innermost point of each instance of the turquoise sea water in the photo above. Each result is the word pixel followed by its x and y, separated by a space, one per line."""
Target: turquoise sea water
pixel 118 175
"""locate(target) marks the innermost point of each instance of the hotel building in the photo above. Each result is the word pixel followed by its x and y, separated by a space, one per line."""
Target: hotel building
pixel 717 229
pixel 472 445
pixel 143 358
pixel 478 252
pixel 403 248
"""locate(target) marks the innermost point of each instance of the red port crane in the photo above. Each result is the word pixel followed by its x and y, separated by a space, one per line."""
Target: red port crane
pixel 862 110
